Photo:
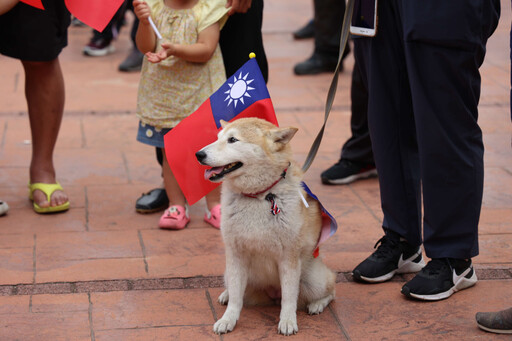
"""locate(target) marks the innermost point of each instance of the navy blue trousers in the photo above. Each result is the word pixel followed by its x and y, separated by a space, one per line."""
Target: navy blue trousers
pixel 422 70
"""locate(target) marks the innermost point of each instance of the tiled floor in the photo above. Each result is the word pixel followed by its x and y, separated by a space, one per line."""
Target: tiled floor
pixel 103 272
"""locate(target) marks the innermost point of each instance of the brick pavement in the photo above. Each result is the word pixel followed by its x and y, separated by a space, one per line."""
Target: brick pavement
pixel 103 272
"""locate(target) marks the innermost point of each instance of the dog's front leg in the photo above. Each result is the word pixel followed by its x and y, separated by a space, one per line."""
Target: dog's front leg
pixel 289 275
pixel 236 280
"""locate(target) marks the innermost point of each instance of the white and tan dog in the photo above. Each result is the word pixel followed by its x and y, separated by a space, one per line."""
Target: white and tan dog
pixel 269 234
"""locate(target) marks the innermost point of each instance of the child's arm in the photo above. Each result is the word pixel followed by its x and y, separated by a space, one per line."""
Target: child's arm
pixel 145 37
pixel 200 52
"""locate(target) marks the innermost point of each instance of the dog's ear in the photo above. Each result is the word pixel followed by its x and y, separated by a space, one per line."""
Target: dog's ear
pixel 223 123
pixel 284 135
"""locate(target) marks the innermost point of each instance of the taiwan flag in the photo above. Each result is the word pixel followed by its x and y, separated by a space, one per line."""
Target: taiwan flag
pixel 244 94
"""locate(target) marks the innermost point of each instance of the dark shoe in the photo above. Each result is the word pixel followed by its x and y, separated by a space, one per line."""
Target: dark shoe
pixel 133 62
pixel 345 172
pixel 391 257
pixel 441 278
pixel 316 64
pixel 98 48
pixel 152 201
pixel 305 32
pixel 496 322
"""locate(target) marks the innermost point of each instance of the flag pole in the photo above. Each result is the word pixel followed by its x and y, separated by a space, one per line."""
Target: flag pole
pixel 153 26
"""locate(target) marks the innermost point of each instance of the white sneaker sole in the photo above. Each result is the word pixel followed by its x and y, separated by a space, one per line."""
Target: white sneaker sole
pixel 463 283
pixel 98 53
pixel 407 266
pixel 352 178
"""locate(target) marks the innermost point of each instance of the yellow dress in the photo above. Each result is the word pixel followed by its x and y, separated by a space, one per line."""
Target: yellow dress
pixel 171 90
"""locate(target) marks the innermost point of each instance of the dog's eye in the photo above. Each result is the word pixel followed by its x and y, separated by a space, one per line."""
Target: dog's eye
pixel 232 139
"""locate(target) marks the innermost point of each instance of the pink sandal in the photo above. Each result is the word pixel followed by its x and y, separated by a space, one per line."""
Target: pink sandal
pixel 213 217
pixel 174 218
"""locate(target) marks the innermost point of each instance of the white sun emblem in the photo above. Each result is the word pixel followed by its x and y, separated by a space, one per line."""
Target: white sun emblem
pixel 238 90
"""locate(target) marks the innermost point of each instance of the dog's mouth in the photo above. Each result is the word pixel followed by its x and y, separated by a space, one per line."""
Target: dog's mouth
pixel 217 173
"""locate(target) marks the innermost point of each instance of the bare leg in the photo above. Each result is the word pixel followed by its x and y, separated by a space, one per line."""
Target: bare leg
pixel 44 90
pixel 172 188
pixel 213 198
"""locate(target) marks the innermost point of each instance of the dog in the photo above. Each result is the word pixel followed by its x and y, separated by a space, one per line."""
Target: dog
pixel 269 234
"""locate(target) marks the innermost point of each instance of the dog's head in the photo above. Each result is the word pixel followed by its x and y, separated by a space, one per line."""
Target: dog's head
pixel 247 147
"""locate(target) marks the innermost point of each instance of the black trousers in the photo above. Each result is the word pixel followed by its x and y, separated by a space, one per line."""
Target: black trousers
pixel 358 148
pixel 327 22
pixel 423 77
pixel 242 35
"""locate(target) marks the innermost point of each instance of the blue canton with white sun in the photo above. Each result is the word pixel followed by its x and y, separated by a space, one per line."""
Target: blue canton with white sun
pixel 240 91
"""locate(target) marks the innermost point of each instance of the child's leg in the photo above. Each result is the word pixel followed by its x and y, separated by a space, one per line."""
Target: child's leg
pixel 213 198
pixel 172 188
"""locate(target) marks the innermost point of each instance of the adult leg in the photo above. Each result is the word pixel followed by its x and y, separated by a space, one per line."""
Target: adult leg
pixel 327 26
pixel 242 35
pixel 356 160
pixel 44 90
pixel 391 124
pixel 443 67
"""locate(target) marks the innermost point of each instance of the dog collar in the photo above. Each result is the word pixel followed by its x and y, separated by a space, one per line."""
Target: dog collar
pixel 255 195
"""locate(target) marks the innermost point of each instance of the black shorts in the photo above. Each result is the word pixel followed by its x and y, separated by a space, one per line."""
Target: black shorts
pixel 31 34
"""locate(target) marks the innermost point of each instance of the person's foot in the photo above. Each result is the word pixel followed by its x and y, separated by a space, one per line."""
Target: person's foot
pixel 305 32
pixel 98 48
pixel 393 255
pixel 440 279
pixel 152 201
pixel 499 322
pixel 345 172
pixel 175 218
pixel 316 64
pixel 3 208
pixel 133 61
pixel 213 216
pixel 57 198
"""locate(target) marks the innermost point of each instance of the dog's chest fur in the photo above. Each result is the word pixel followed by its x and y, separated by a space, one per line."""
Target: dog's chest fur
pixel 250 226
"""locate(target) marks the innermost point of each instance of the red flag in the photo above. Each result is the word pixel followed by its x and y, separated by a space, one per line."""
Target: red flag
pixel 244 94
pixel 34 3
pixel 95 13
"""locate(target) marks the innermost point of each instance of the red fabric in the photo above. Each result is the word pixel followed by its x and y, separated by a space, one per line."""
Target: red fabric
pixel 34 3
pixel 95 13
pixel 192 134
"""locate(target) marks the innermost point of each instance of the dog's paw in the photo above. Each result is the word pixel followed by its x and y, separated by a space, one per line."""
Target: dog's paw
pixel 224 297
pixel 224 326
pixel 316 307
pixel 288 327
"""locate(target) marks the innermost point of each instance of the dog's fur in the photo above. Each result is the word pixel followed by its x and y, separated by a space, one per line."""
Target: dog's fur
pixel 266 253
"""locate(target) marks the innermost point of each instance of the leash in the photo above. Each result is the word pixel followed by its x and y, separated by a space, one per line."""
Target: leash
pixel 334 85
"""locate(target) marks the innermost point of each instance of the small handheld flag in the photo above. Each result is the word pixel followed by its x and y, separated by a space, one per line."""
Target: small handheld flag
pixel 244 94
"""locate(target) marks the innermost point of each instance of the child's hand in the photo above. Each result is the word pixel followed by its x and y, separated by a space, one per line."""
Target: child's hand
pixel 238 6
pixel 142 11
pixel 168 50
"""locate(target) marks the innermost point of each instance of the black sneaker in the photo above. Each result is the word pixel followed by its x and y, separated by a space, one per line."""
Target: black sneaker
pixel 345 172
pixel 98 48
pixel 133 61
pixel 391 257
pixel 441 278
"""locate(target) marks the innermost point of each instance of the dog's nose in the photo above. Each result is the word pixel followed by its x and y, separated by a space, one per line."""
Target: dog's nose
pixel 200 155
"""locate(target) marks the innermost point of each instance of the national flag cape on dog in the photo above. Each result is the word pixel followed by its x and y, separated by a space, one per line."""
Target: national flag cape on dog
pixel 244 94
pixel 329 224
pixel 95 13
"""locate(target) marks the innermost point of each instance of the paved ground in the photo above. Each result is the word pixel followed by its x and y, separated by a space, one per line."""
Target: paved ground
pixel 103 272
